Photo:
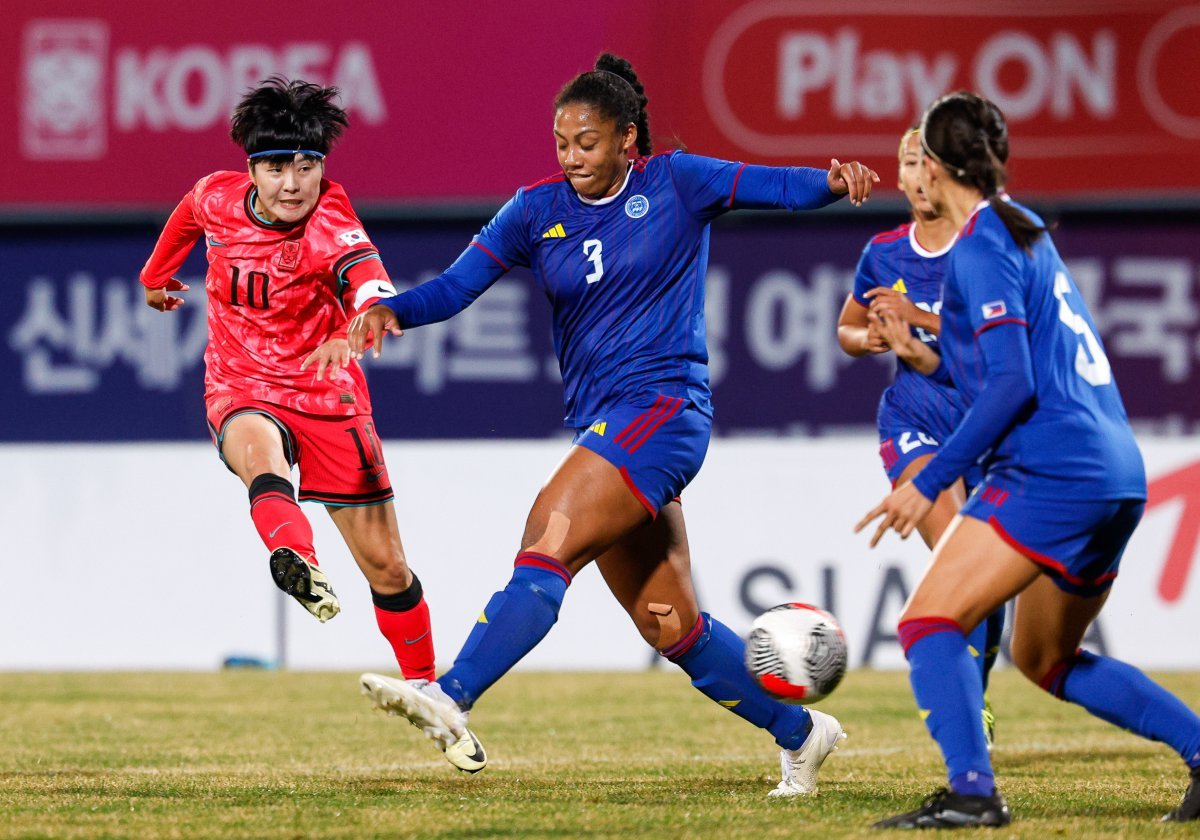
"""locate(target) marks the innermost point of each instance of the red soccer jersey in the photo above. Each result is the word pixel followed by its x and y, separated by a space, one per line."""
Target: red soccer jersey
pixel 275 293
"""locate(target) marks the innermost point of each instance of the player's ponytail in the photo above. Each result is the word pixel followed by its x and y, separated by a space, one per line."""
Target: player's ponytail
pixel 287 115
pixel 968 136
pixel 615 90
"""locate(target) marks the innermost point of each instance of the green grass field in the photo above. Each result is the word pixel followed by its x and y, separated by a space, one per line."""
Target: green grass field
pixel 262 754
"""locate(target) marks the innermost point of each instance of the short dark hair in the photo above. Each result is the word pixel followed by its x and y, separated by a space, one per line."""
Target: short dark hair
pixel 968 135
pixel 287 114
pixel 614 89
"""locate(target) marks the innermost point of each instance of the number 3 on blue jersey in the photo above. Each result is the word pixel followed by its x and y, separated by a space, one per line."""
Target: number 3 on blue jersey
pixel 1090 363
pixel 592 250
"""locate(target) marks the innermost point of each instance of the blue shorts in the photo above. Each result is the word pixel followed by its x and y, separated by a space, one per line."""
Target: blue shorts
pixel 658 445
pixel 899 446
pixel 1077 542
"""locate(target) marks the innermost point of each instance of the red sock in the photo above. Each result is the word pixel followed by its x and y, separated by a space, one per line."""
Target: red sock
pixel 278 518
pixel 404 621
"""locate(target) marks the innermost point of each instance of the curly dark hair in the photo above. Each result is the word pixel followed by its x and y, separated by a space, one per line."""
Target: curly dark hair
pixel 287 114
pixel 614 89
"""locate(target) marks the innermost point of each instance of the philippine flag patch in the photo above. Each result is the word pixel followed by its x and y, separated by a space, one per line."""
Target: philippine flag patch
pixel 995 309
pixel 352 237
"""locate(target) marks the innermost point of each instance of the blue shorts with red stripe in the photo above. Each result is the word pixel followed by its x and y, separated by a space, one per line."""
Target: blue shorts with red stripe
pixel 1078 543
pixel 901 445
pixel 658 445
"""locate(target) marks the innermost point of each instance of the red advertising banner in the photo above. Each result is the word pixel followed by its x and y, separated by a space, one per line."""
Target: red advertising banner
pixel 106 106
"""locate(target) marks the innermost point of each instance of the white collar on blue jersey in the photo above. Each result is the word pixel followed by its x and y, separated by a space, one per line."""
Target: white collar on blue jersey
pixel 597 202
pixel 925 252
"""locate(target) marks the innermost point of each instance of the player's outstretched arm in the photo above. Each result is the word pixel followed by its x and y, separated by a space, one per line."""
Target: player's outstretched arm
pixel 367 329
pixel 163 302
pixel 853 179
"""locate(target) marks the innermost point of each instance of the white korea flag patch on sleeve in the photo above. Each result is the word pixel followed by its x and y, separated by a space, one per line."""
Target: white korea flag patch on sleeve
pixel 353 237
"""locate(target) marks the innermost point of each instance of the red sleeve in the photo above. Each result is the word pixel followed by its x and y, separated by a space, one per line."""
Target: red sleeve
pixel 174 244
pixel 364 284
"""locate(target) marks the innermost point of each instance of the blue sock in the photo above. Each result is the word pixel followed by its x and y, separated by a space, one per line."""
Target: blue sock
pixel 945 681
pixel 977 646
pixel 715 658
pixel 512 624
pixel 1121 694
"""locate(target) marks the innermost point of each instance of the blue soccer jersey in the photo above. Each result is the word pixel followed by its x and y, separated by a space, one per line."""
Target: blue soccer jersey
pixel 1008 313
pixel 625 275
pixel 897 261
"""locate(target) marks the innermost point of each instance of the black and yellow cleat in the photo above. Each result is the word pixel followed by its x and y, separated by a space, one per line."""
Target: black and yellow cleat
pixel 305 582
pixel 946 809
pixel 1189 806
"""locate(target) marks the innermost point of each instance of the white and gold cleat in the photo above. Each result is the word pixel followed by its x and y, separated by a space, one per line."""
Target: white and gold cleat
pixel 305 582
pixel 428 708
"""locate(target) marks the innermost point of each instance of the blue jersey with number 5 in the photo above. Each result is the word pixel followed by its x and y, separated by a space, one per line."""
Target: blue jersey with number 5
pixel 625 275
pixel 1073 439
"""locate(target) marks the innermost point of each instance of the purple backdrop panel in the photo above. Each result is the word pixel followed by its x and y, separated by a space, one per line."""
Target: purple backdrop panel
pixel 92 362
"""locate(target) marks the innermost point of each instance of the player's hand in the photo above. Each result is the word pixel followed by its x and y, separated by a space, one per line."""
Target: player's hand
pixel 887 301
pixel 163 302
pixel 874 341
pixel 897 332
pixel 331 356
pixel 367 329
pixel 853 179
pixel 902 510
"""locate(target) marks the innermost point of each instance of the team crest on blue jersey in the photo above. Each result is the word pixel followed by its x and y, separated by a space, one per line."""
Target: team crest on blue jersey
pixel 637 206
pixel 994 309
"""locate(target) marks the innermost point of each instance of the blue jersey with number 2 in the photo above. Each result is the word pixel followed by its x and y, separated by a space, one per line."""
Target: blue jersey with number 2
pixel 625 275
pixel 897 261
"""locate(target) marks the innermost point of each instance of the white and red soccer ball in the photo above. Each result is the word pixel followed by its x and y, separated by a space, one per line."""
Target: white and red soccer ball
pixel 796 652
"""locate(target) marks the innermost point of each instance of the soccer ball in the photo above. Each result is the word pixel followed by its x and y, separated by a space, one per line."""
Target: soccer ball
pixel 797 653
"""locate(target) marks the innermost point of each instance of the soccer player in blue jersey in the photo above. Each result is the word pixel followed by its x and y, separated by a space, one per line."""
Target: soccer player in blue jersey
pixel 1063 490
pixel 619 242
pixel 900 273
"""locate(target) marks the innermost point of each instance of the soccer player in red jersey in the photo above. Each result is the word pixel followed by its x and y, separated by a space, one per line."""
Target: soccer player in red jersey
pixel 288 264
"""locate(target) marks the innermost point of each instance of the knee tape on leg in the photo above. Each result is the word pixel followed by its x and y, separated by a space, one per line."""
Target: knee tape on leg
pixel 669 626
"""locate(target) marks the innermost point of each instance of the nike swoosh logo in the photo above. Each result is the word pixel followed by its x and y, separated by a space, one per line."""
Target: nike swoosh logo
pixel 272 534
pixel 212 240
pixel 375 476
pixel 476 750
pixel 419 638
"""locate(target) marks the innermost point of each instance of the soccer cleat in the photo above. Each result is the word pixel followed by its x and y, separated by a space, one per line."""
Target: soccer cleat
pixel 989 723
pixel 800 766
pixel 305 582
pixel 467 753
pixel 429 709
pixel 1189 806
pixel 946 809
